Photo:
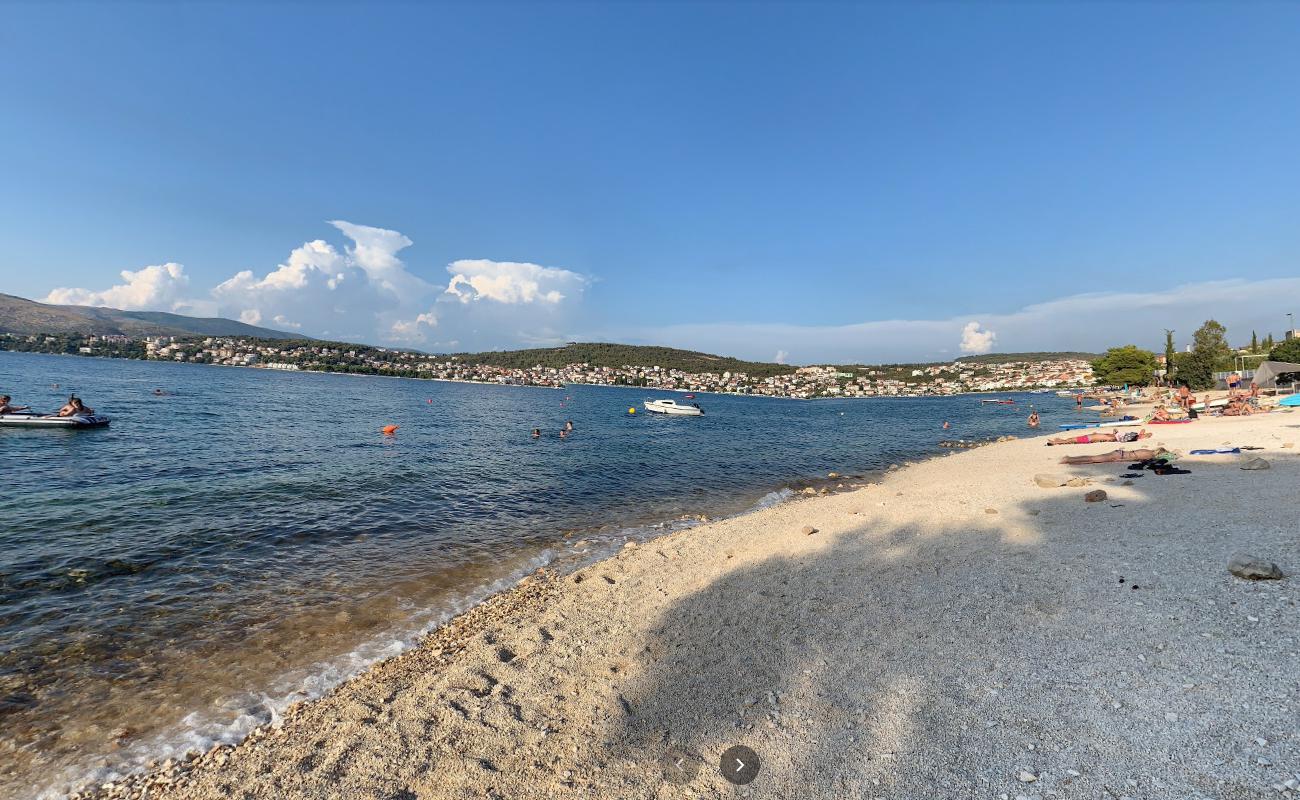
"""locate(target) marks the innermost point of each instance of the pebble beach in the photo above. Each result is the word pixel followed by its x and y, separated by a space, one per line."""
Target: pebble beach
pixel 958 629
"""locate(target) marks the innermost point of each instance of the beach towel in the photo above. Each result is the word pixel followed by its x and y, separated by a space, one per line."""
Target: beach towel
pixel 1220 451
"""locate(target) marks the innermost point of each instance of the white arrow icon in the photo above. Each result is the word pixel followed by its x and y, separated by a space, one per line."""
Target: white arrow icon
pixel 739 765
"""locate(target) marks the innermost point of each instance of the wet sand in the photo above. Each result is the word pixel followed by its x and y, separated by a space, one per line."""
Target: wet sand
pixel 954 631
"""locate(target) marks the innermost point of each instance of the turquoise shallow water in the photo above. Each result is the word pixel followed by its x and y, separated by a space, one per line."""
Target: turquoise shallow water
pixel 251 538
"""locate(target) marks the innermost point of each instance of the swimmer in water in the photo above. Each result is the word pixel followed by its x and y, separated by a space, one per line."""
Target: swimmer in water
pixel 537 433
pixel 564 434
pixel 947 425
pixel 1033 419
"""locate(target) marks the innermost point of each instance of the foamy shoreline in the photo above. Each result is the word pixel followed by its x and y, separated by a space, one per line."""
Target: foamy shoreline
pixel 932 629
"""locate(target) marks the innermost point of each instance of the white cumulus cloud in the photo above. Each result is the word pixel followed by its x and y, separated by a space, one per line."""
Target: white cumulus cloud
pixel 976 341
pixel 160 288
pixel 365 292
pixel 510 282
pixel 414 330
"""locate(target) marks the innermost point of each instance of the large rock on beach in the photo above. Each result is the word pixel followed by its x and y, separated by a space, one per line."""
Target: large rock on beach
pixel 1049 481
pixel 1256 463
pixel 1095 496
pixel 1253 568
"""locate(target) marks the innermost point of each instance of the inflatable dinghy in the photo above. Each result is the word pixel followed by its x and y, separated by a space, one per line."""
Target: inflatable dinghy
pixel 53 421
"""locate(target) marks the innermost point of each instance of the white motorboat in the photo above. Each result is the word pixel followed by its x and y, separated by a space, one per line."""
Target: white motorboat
pixel 674 407
pixel 29 420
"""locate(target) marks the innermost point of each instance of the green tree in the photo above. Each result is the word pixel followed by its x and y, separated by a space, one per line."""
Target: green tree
pixel 1170 355
pixel 1128 364
pixel 1287 351
pixel 1268 342
pixel 1210 352
pixel 1254 342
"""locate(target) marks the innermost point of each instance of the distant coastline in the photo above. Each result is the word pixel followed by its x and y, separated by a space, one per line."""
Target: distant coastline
pixel 1038 372
pixel 973 392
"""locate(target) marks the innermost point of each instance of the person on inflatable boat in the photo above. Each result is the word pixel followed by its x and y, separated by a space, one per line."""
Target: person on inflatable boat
pixel 75 408
pixel 7 408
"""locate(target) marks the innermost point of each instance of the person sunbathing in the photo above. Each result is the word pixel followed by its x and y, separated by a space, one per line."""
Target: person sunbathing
pixel 1140 454
pixel 1161 414
pixel 1093 438
pixel 1238 408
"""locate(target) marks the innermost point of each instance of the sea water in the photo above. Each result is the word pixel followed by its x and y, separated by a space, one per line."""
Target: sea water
pixel 249 537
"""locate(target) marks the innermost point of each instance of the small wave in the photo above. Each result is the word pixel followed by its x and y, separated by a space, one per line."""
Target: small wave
pixel 772 499
pixel 239 715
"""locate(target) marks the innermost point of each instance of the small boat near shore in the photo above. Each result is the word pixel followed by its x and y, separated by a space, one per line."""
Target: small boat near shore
pixel 673 407
pixel 999 402
pixel 22 420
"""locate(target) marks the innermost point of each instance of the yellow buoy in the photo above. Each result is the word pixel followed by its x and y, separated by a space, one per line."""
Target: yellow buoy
pixel 631 410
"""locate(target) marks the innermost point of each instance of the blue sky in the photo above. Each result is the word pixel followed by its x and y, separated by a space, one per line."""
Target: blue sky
pixel 830 182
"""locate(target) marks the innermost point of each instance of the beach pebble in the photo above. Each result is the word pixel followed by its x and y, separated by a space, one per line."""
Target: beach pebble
pixel 1026 776
pixel 1077 482
pixel 832 475
pixel 1253 568
pixel 1255 463
pixel 1048 481
pixel 990 511
pixel 808 530
pixel 1095 496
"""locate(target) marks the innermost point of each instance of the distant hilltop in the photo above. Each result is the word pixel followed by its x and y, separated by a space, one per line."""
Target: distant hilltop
pixel 606 354
pixel 1011 358
pixel 28 317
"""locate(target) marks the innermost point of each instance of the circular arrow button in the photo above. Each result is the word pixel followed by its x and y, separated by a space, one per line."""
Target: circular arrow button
pixel 739 765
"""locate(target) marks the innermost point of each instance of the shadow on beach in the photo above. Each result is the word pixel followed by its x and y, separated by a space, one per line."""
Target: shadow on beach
pixel 964 661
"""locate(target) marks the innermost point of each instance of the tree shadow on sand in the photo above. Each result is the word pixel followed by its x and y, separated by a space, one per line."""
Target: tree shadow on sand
pixel 965 657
